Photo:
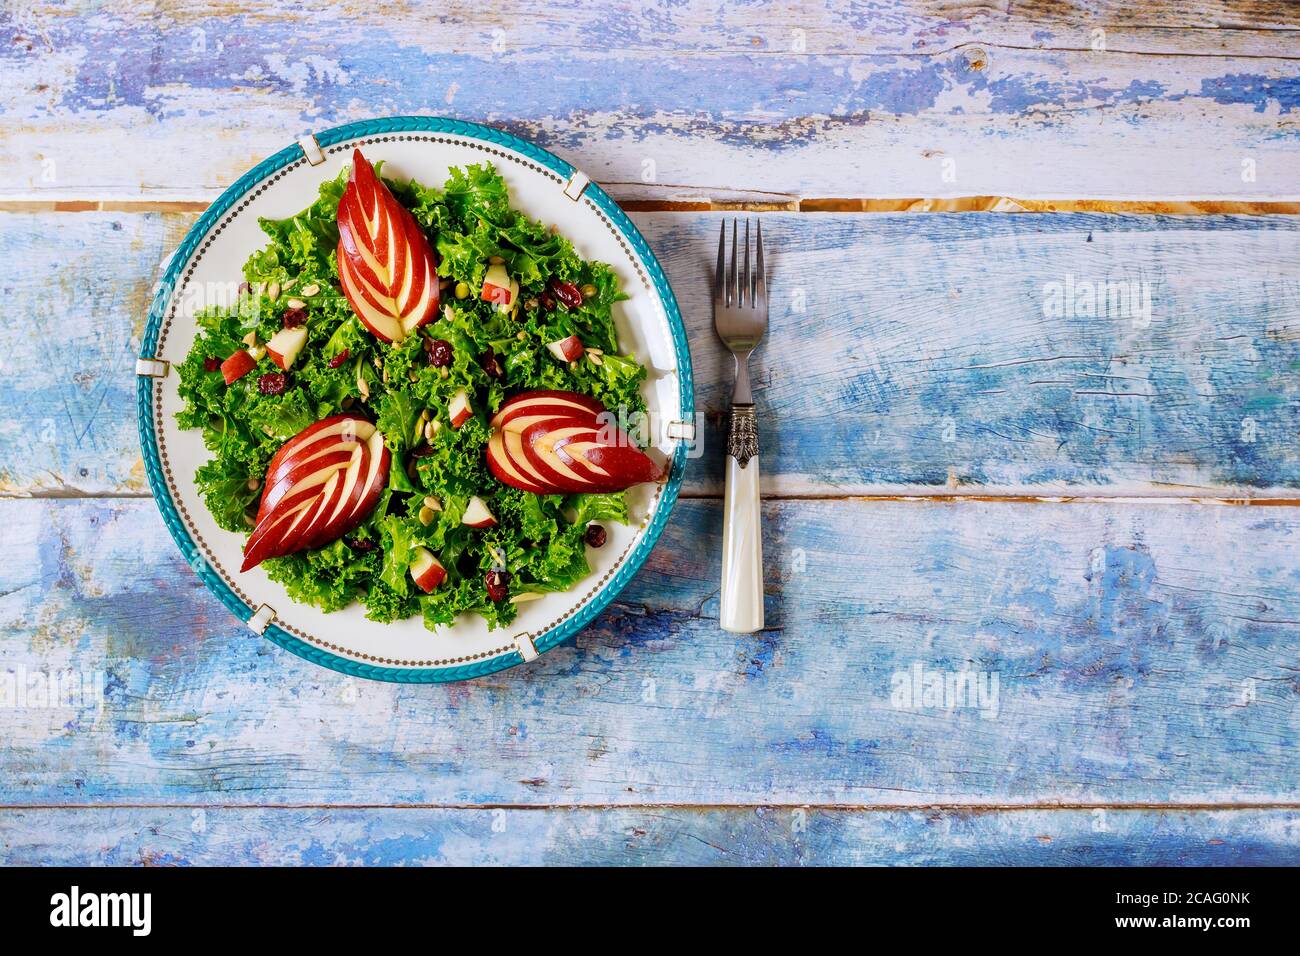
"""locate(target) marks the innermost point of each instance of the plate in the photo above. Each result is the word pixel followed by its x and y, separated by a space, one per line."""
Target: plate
pixel 211 258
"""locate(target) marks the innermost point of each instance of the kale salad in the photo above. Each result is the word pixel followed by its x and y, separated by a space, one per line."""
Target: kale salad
pixel 404 400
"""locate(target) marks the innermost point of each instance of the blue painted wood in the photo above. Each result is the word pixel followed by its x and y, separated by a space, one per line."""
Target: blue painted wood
pixel 683 836
pixel 907 354
pixel 1143 653
pixel 945 103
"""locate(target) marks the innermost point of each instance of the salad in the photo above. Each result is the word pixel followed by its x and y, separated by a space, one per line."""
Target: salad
pixel 416 401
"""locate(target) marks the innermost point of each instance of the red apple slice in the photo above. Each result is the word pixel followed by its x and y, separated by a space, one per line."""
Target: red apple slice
pixel 322 483
pixel 285 346
pixel 426 570
pixel 329 435
pixel 459 409
pixel 386 264
pixel 376 480
pixel 562 473
pixel 477 514
pixel 546 402
pixel 552 442
pixel 567 350
pixel 509 467
pixel 237 366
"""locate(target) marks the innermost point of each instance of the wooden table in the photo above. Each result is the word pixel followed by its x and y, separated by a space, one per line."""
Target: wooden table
pixel 970 474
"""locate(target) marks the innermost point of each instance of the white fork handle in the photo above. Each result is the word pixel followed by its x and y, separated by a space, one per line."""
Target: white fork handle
pixel 742 550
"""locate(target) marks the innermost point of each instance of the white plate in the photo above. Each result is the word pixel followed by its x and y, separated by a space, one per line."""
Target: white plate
pixel 210 261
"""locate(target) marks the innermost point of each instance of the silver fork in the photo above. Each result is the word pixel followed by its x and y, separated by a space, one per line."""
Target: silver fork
pixel 740 318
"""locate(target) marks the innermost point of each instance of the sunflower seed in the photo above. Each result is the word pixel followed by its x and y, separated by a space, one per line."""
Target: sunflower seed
pixel 430 430
pixel 289 284
pixel 310 290
pixel 431 502
pixel 595 358
pixel 273 291
pixel 525 596
pixel 296 304
pixel 253 484
pixel 426 516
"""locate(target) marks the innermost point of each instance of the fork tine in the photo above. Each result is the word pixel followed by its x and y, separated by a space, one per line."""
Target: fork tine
pixel 732 278
pixel 760 279
pixel 747 280
pixel 720 274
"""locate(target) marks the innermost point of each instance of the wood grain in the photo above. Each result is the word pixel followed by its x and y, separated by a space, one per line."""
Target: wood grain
pixel 873 100
pixel 660 836
pixel 906 356
pixel 1143 653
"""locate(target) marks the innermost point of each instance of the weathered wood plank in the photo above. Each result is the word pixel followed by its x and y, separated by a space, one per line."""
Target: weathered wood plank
pixel 907 355
pixel 1142 654
pixel 944 104
pixel 660 836
pixel 899 27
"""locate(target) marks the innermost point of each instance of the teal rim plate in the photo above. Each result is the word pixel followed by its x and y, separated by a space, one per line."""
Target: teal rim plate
pixel 207 269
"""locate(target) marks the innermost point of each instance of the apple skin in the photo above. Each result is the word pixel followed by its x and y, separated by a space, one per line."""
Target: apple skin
pixel 237 366
pixel 386 265
pixel 459 409
pixel 320 486
pixel 285 346
pixel 546 401
pixel 498 287
pixel 477 514
pixel 426 570
pixel 567 350
pixel 553 442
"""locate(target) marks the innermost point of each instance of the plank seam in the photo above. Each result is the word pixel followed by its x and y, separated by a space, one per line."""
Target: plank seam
pixel 698 807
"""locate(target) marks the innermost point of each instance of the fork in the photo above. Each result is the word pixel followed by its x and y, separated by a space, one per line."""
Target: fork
pixel 740 318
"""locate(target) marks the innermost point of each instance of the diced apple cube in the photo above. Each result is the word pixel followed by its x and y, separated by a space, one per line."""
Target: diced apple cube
pixel 459 410
pixel 285 346
pixel 237 366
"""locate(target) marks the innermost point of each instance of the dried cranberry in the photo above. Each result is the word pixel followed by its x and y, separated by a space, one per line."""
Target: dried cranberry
pixel 422 451
pixel 548 303
pixel 361 544
pixel 595 535
pixel 490 364
pixel 211 364
pixel 272 383
pixel 245 288
pixel 567 293
pixel 497 585
pixel 339 359
pixel 439 352
pixel 294 317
